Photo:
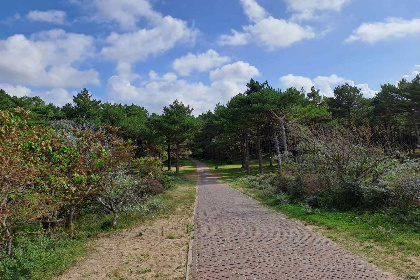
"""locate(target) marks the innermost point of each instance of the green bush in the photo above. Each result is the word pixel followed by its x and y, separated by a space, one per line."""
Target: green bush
pixel 33 256
pixel 296 188
pixel 377 196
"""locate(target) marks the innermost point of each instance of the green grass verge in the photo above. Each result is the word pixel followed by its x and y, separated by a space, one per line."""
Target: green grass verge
pixel 41 257
pixel 230 172
pixel 381 238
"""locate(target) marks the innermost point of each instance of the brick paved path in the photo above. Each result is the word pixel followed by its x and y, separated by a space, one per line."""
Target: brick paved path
pixel 237 238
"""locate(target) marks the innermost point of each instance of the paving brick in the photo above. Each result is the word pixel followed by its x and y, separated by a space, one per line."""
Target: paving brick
pixel 237 238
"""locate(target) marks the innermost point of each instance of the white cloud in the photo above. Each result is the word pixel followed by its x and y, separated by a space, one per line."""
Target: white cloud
pixel 57 96
pixel 47 59
pixel 416 71
pixel 126 12
pixel 237 72
pixel 161 34
pixel 254 11
pixel 18 91
pixel 304 15
pixel 159 91
pixel 311 5
pixel 168 77
pixel 202 62
pixel 306 9
pixel 278 33
pixel 379 31
pixel 266 30
pixel 236 39
pixel 50 16
pixel 366 91
pixel 298 82
pixel 137 46
pixel 325 84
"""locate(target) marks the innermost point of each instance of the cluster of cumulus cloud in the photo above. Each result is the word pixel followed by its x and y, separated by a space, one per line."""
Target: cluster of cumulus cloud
pixel 57 61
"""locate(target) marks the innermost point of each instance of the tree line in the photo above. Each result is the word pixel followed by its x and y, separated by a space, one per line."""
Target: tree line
pixel 265 120
pixel 157 135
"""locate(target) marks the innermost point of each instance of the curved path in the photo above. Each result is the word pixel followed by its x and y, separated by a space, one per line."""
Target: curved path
pixel 237 238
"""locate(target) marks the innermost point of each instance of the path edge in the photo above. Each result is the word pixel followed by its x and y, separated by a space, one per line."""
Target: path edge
pixel 190 255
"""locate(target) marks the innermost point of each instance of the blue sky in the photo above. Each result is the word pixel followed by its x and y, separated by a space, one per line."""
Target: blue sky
pixel 150 52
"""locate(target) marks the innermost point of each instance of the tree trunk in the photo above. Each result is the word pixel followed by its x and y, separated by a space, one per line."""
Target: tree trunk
pixel 9 241
pixel 277 147
pixel 169 157
pixel 270 153
pixel 177 157
pixel 260 163
pixel 114 220
pixel 70 217
pixel 283 136
pixel 416 128
pixel 247 154
pixel 243 153
pixel 51 223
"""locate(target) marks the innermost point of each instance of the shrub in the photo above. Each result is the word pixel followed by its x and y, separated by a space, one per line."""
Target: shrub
pixel 350 194
pixel 407 191
pixel 377 196
pixel 313 201
pixel 146 208
pixel 282 198
pixel 296 188
pixel 281 183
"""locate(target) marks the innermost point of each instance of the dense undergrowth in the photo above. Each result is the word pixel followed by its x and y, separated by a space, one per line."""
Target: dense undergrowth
pixel 40 256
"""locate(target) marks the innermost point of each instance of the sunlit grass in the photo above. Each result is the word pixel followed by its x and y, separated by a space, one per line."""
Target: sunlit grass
pixel 230 172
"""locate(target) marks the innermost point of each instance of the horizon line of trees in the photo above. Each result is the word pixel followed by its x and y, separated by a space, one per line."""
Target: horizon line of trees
pixel 265 120
pixel 259 119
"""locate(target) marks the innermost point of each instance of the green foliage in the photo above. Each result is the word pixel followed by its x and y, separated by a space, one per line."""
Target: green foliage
pixel 84 108
pixel 39 257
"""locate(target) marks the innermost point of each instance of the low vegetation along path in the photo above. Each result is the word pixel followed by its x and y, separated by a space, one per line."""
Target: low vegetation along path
pixel 237 238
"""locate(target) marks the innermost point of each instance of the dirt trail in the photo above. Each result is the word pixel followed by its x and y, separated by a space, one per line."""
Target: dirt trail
pixel 154 250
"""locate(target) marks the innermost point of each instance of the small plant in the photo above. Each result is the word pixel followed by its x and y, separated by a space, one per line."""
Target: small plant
pixel 307 209
pixel 143 271
pixel 155 205
pixel 383 233
pixel 189 228
pixel 170 236
pixel 282 198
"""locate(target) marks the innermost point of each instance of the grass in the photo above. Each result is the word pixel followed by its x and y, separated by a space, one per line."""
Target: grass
pixel 230 172
pixel 42 257
pixel 170 236
pixel 379 238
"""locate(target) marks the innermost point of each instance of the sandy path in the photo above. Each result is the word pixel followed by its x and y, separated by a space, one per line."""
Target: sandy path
pixel 143 252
